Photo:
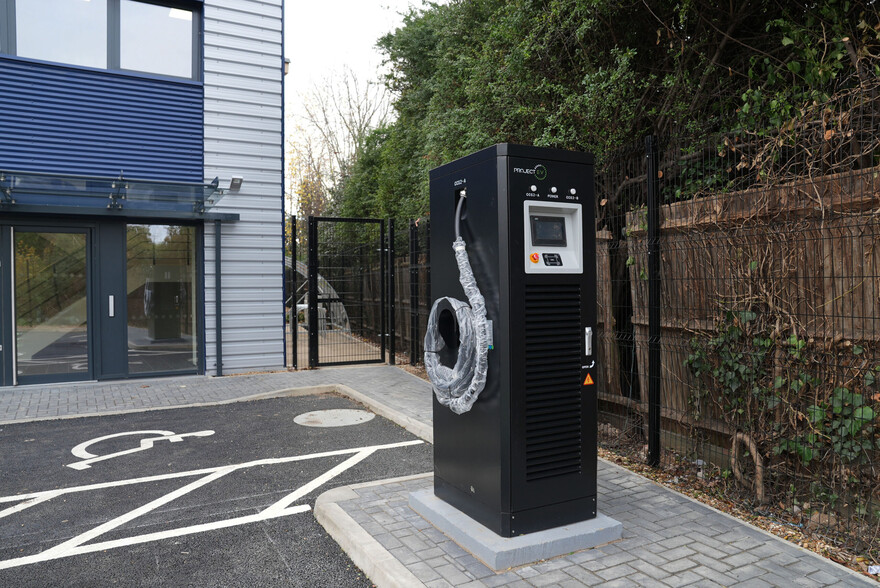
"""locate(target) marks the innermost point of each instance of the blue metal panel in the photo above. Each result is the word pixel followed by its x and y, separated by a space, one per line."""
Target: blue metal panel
pixel 62 119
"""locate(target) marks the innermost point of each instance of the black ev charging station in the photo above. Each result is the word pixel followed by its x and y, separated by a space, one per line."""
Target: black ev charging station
pixel 523 457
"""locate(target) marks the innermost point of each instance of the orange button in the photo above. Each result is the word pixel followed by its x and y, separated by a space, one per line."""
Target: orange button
pixel 535 257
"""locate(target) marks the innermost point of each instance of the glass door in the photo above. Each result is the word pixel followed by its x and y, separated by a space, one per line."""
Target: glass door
pixel 161 287
pixel 51 305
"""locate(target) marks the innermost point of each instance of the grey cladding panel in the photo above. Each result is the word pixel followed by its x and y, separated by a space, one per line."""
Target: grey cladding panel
pixel 243 137
pixel 265 8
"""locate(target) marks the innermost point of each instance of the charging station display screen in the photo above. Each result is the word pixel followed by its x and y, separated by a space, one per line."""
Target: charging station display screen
pixel 548 230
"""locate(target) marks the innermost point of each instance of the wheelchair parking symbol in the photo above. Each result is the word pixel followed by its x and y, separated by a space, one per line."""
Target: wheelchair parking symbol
pixel 152 437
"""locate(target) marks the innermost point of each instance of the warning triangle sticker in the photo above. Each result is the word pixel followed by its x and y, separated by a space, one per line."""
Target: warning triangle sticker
pixel 588 381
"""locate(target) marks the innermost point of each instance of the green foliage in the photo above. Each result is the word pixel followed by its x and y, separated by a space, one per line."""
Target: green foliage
pixel 818 51
pixel 871 379
pixel 703 177
pixel 796 346
pixel 842 425
pixel 575 74
pixel 735 364
pixel 821 493
pixel 772 386
pixel 595 74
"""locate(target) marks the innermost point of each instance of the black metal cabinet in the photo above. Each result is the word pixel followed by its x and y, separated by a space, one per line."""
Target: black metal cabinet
pixel 523 459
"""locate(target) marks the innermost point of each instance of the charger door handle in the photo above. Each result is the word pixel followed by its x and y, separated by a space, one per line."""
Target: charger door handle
pixel 588 341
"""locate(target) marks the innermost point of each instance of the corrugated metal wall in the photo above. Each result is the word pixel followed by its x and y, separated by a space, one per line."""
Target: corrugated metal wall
pixel 62 119
pixel 243 111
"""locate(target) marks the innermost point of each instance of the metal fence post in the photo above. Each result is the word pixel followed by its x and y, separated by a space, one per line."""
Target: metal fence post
pixel 383 333
pixel 392 296
pixel 427 250
pixel 313 292
pixel 413 291
pixel 294 317
pixel 653 193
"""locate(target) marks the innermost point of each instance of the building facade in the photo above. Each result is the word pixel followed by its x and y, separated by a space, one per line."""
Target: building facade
pixel 141 188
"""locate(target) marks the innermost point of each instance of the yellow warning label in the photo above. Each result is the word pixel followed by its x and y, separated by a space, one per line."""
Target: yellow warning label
pixel 588 381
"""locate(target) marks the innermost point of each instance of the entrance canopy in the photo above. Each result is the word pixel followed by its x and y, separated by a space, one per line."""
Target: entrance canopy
pixel 41 193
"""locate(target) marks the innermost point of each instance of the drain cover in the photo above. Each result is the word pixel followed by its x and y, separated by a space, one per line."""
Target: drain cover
pixel 339 417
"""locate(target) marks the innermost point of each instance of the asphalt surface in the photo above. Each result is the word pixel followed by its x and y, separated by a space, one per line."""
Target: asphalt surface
pixel 197 524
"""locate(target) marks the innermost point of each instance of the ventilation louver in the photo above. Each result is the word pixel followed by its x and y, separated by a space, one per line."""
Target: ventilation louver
pixel 553 381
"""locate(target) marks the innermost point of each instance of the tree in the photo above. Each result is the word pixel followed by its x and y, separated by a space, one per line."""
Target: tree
pixel 339 115
pixel 597 74
pixel 331 135
pixel 308 179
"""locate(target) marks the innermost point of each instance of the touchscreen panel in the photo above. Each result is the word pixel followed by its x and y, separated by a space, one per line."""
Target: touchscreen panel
pixel 548 230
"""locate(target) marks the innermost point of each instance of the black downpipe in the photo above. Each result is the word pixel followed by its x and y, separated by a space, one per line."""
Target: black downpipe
pixel 651 152
pixel 218 297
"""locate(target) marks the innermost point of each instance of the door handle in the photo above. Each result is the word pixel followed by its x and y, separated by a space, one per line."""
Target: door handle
pixel 588 341
pixel 111 299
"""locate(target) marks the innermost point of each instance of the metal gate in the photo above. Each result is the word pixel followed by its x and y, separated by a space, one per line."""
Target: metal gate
pixel 347 285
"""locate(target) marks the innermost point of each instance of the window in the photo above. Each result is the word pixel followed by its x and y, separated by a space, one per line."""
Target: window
pixel 133 35
pixel 71 27
pixel 156 39
pixel 6 16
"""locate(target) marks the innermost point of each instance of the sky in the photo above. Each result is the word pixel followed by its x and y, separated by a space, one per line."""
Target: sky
pixel 323 36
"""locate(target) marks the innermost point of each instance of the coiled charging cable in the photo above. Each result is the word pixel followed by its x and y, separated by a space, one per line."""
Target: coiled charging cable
pixel 458 387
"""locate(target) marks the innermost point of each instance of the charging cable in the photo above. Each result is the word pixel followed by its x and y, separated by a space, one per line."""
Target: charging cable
pixel 458 387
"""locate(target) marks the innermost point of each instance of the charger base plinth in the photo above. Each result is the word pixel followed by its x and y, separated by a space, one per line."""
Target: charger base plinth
pixel 500 553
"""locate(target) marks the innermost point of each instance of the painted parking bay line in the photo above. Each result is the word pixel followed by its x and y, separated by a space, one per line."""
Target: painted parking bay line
pixel 79 545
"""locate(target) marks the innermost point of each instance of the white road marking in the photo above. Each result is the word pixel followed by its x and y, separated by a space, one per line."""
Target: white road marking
pixel 280 508
pixel 319 481
pixel 65 548
pixel 179 532
pixel 89 458
pixel 190 473
pixel 28 503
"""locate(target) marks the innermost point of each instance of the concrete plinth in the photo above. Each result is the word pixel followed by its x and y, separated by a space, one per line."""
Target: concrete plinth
pixel 500 553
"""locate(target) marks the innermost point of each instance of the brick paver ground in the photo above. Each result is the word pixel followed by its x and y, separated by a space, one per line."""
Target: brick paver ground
pixel 408 394
pixel 668 540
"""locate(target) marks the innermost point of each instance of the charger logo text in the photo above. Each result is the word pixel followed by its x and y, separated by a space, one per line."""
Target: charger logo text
pixel 539 171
